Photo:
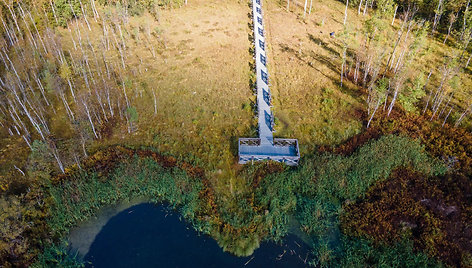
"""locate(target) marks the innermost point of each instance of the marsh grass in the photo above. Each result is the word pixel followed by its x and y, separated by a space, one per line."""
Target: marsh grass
pixel 78 198
pixel 317 191
pixel 314 193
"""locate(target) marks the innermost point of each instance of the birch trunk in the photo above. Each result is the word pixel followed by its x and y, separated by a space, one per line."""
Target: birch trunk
pixel 394 15
pixel 90 118
pixel 447 116
pixel 431 93
pixel 56 156
pixel 54 12
pixel 85 15
pixel 345 12
pixel 463 115
pixel 437 16
pixel 373 113
pixel 365 7
pixel 468 61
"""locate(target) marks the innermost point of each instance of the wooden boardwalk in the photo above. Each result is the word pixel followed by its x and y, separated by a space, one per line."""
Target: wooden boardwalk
pixel 265 147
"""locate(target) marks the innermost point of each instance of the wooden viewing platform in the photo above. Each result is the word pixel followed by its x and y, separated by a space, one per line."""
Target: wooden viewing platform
pixel 265 147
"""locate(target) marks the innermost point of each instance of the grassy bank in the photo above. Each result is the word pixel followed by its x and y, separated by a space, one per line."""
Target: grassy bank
pixel 314 193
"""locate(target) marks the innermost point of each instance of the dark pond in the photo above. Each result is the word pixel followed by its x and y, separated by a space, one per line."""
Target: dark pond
pixel 147 235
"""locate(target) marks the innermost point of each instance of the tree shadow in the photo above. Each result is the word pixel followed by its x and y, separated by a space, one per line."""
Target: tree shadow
pixel 322 44
pixel 327 61
pixel 234 146
pixel 322 59
pixel 335 20
pixel 309 58
pixel 468 70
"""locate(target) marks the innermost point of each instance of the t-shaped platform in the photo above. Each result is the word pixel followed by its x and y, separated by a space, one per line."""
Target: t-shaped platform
pixel 265 147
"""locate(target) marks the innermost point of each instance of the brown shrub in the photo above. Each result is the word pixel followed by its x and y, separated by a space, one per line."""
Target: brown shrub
pixel 436 212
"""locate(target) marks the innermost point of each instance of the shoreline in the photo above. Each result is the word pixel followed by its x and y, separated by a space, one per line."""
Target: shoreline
pixel 81 236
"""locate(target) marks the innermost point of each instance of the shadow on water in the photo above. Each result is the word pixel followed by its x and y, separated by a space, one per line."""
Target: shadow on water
pixel 147 235
pixel 82 236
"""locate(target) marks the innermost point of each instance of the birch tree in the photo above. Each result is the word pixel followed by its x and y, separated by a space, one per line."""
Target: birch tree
pixel 345 12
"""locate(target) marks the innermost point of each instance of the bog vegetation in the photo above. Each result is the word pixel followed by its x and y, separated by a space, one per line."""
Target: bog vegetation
pixel 102 101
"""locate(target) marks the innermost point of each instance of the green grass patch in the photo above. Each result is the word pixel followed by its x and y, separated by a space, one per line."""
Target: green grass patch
pixel 318 189
pixel 79 198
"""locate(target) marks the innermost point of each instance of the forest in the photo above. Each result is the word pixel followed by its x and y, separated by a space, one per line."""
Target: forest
pixel 108 100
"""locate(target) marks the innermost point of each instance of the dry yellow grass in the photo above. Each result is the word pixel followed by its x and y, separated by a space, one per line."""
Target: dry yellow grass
pixel 200 76
pixel 305 65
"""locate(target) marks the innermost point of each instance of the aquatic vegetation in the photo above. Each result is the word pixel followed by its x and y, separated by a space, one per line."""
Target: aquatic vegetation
pixel 57 256
pixel 314 192
pixel 240 245
pixel 78 197
pixel 317 190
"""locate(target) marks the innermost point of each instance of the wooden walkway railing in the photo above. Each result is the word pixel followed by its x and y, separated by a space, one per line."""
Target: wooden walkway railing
pixel 265 147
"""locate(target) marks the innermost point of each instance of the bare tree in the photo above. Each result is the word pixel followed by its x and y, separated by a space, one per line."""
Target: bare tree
pixel 452 19
pixel 365 7
pixel 463 115
pixel 345 12
pixel 437 15
pixel 394 14
pixel 304 9
pixel 359 9
pixel 89 116
pixel 377 95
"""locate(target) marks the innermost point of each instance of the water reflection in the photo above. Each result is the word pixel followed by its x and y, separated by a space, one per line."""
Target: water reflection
pixel 147 235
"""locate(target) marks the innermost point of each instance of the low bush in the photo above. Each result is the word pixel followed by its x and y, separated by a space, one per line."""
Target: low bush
pixel 435 212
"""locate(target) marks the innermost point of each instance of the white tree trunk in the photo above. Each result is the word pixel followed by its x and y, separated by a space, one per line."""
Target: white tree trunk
pixel 394 15
pixel 392 103
pixel 155 101
pixel 304 9
pixel 54 11
pixel 373 113
pixel 468 61
pixel 447 116
pixel 463 116
pixel 90 118
pixel 345 12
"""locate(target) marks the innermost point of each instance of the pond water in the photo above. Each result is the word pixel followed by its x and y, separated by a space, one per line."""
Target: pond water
pixel 147 235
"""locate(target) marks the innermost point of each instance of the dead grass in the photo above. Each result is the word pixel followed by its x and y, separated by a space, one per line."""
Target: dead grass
pixel 304 64
pixel 201 76
pixel 201 79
